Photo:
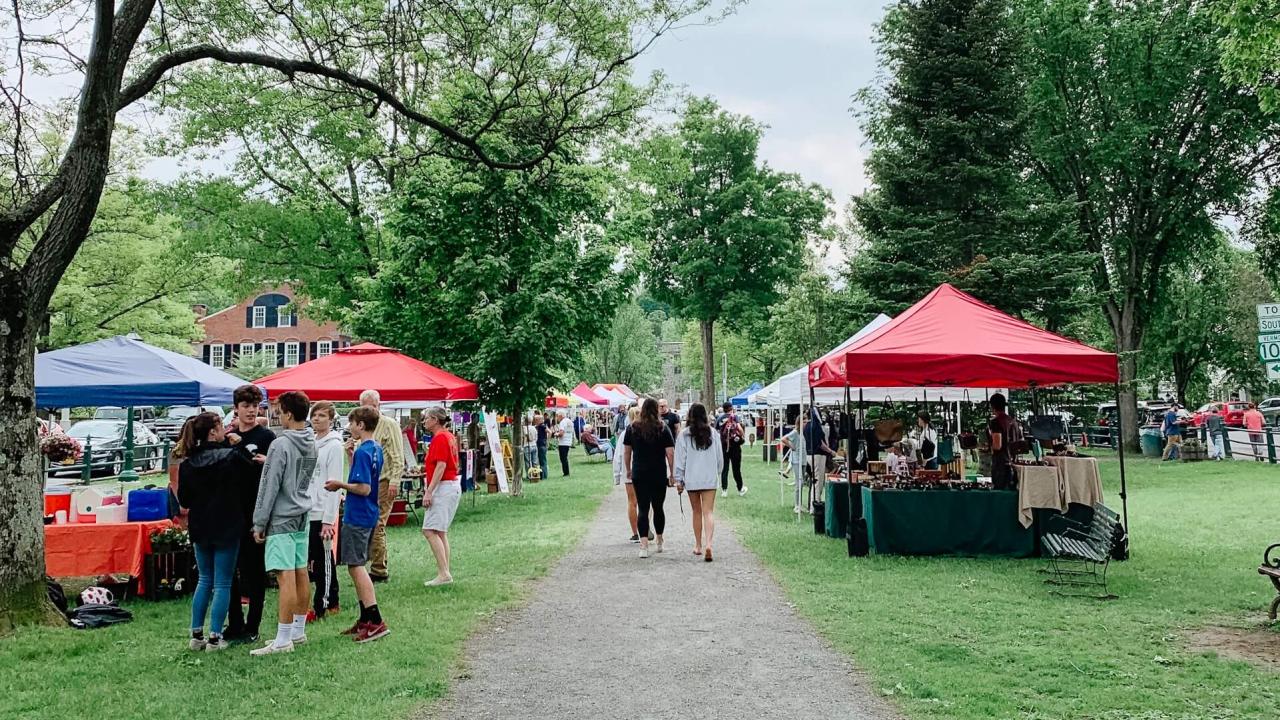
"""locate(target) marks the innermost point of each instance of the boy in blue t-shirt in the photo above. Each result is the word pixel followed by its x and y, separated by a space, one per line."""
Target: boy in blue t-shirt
pixel 359 519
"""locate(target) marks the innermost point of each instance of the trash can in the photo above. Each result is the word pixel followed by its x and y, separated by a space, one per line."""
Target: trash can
pixel 1152 442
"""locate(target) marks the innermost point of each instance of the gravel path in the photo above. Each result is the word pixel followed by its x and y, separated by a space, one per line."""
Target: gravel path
pixel 608 635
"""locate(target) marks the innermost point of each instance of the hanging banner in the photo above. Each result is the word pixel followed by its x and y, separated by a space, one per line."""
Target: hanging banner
pixel 495 448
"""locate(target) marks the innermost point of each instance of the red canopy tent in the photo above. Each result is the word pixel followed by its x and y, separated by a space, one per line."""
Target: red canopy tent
pixel 585 392
pixel 952 339
pixel 350 371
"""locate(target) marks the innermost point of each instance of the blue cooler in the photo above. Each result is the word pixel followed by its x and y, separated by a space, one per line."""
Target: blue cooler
pixel 148 505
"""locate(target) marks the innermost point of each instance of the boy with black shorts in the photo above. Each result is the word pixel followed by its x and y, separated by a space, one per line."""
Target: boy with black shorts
pixel 360 518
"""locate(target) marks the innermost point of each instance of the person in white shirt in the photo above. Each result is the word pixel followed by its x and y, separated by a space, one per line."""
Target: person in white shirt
pixel 927 441
pixel 323 516
pixel 698 463
pixel 564 441
pixel 895 463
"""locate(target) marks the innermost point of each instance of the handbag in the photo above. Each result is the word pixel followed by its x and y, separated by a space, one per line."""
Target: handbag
pixel 968 441
pixel 946 450
pixel 888 430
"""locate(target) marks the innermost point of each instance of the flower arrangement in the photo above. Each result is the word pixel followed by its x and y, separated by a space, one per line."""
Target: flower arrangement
pixel 170 539
pixel 60 448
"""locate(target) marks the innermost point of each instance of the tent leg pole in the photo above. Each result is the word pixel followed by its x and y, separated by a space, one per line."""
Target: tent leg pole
pixel 1124 488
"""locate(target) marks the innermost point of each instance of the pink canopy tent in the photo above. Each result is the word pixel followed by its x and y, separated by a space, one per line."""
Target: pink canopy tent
pixel 586 394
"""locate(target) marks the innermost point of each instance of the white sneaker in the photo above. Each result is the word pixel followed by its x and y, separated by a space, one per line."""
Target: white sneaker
pixel 724 493
pixel 272 648
pixel 299 639
pixel 216 644
pixel 659 544
pixel 197 644
pixel 644 553
pixel 743 491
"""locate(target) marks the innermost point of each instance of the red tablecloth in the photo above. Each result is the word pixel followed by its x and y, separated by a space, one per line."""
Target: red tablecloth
pixel 92 549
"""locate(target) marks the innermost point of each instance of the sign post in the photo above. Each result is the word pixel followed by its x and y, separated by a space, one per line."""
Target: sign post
pixel 1269 338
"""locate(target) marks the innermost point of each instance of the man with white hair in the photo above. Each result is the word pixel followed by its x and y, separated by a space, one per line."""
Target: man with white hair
pixel 387 435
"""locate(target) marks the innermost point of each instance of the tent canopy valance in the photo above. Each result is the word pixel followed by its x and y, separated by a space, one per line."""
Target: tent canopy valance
pixel 346 373
pixel 125 371
pixel 583 392
pixel 952 339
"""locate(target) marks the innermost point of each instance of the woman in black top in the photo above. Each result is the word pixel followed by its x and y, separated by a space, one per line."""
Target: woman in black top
pixel 649 457
pixel 214 519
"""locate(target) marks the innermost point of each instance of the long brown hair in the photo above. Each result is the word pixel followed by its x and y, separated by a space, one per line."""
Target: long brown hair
pixel 649 426
pixel 195 433
pixel 699 427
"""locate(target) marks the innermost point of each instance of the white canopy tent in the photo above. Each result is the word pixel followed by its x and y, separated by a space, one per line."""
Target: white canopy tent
pixel 793 388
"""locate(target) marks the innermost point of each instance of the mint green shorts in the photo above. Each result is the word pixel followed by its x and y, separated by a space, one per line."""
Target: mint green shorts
pixel 287 551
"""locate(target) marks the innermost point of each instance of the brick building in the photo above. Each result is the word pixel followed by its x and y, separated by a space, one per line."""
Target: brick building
pixel 268 322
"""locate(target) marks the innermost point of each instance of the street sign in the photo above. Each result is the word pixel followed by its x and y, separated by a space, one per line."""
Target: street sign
pixel 1269 352
pixel 1273 371
pixel 1268 325
pixel 1268 338
pixel 1269 310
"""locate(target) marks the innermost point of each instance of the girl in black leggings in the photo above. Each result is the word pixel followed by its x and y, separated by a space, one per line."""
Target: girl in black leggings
pixel 648 456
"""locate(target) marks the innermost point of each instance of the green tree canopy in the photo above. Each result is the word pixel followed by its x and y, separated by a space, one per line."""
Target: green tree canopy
pixel 722 232
pixel 626 353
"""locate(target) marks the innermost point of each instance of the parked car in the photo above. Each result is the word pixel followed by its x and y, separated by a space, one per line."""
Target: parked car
pixel 105 440
pixel 1232 413
pixel 144 414
pixel 1109 415
pixel 170 424
pixel 1272 403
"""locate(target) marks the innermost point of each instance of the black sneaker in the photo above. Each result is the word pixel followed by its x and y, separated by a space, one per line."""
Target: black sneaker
pixel 379 578
pixel 243 638
pixel 635 538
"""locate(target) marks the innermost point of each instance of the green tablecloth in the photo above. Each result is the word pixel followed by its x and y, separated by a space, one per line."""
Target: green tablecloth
pixel 837 509
pixel 945 522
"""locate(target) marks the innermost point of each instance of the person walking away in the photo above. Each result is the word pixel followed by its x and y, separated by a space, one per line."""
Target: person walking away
pixel 214 520
pixel 250 580
pixel 355 542
pixel 1254 423
pixel 731 439
pixel 280 519
pixel 649 461
pixel 622 477
pixel 323 518
pixel 670 419
pixel 564 441
pixel 699 462
pixel 1172 433
pixel 442 494
pixel 387 435
pixel 1000 430
pixel 1213 425
pixel 926 441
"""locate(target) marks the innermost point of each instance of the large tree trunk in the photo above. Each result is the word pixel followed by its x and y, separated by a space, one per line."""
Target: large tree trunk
pixel 516 481
pixel 708 363
pixel 22 588
pixel 1128 338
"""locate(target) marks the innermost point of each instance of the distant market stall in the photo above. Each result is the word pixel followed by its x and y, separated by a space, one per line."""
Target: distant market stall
pixel 350 371
pixel 952 340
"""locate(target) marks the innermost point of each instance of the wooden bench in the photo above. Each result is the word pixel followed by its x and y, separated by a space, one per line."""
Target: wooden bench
pixel 1270 568
pixel 1080 555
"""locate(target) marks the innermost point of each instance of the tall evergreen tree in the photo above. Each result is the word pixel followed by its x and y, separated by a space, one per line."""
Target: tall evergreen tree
pixel 950 202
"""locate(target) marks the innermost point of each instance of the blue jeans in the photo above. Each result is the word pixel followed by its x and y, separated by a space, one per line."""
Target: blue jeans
pixel 217 563
pixel 542 460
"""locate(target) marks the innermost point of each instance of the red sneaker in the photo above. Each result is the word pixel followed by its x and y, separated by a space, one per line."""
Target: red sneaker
pixel 370 632
pixel 311 616
pixel 354 629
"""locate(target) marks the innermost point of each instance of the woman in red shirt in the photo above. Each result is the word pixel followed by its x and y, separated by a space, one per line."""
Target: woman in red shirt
pixel 442 493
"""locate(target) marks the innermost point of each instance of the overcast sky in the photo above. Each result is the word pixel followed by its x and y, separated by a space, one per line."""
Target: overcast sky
pixel 794 65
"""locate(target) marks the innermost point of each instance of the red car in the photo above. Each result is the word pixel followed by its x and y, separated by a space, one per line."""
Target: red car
pixel 1232 413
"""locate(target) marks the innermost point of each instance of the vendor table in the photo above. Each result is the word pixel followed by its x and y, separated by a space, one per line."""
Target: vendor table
pixel 1039 486
pixel 92 549
pixel 945 522
pixel 837 508
pixel 1081 483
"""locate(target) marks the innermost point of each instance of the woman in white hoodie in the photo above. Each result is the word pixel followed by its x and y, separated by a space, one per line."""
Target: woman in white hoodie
pixel 698 463
pixel 324 508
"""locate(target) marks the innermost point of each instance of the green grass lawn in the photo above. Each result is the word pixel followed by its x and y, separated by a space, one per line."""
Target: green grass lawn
pixel 961 638
pixel 143 670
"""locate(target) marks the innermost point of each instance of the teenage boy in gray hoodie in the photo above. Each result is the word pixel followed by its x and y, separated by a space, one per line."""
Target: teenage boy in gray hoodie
pixel 280 519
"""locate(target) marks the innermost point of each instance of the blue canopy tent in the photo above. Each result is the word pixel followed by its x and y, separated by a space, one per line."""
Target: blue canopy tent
pixel 125 371
pixel 742 398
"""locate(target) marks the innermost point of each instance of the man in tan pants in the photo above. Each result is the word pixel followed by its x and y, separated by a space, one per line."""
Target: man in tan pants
pixel 387 435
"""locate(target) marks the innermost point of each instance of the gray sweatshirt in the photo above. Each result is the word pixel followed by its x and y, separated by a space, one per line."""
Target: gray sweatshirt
pixel 284 496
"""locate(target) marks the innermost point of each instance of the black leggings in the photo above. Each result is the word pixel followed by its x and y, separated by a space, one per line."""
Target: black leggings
pixel 732 459
pixel 650 493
